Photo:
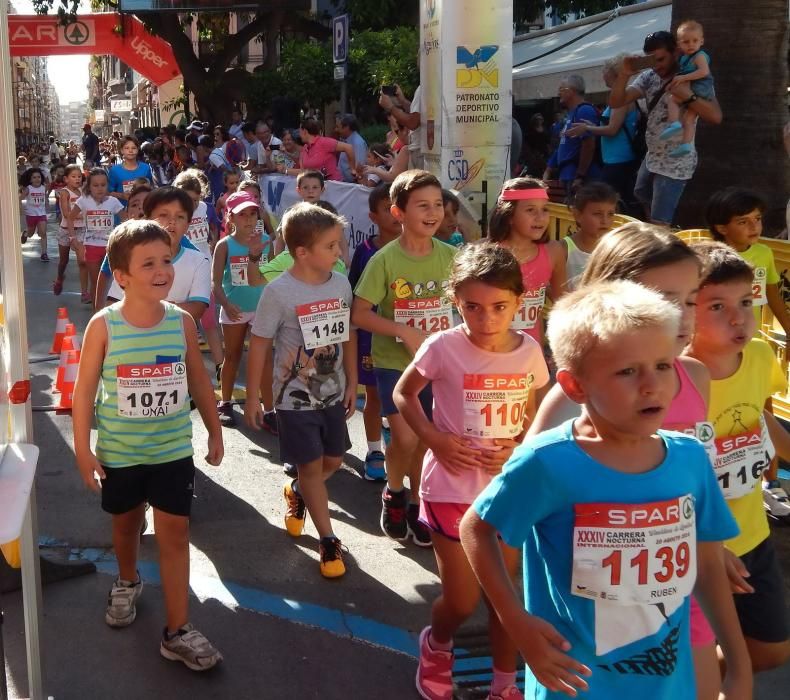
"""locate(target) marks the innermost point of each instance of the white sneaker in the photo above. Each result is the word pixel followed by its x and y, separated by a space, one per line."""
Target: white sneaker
pixel 121 608
pixel 775 499
pixel 190 647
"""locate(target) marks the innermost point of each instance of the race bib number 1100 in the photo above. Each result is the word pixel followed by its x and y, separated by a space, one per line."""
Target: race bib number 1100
pixel 495 405
pixel 635 554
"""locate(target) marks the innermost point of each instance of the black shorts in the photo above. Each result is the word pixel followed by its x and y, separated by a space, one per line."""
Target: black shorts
pixel 311 434
pixel 167 487
pixel 763 614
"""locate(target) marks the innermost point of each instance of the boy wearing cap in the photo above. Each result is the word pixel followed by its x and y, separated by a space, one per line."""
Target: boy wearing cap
pixel 232 290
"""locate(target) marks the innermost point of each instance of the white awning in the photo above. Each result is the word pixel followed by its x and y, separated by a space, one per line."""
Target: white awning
pixel 539 78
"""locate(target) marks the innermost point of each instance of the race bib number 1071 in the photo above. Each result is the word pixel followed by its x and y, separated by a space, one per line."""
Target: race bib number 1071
pixel 151 390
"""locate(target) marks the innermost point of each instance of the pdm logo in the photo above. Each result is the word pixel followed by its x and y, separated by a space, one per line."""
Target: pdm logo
pixel 476 68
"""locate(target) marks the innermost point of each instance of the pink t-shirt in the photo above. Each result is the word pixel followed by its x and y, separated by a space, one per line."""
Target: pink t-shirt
pixel 321 155
pixel 477 394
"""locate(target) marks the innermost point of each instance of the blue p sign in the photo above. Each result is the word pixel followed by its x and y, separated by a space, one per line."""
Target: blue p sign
pixel 340 38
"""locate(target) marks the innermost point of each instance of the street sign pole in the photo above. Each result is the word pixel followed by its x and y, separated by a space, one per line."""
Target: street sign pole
pixel 340 57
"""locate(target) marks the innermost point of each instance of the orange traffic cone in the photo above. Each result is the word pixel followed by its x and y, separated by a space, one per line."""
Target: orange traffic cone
pixel 68 346
pixel 69 377
pixel 60 330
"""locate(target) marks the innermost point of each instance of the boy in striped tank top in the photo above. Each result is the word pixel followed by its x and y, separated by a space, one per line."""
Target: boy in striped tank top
pixel 142 354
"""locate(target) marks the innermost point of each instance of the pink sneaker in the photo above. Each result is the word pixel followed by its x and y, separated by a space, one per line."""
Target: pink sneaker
pixel 509 693
pixel 434 672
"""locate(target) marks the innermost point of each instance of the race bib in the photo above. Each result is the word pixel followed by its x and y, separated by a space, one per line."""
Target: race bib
pixel 759 297
pixel 198 230
pixel 703 431
pixel 528 313
pixel 495 405
pixel 238 271
pixel 635 554
pixel 128 186
pixel 741 460
pixel 324 322
pixel 151 390
pixel 432 314
pixel 36 199
pixel 98 224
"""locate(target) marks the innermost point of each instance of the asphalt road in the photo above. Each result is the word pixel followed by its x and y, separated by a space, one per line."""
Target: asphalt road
pixel 257 594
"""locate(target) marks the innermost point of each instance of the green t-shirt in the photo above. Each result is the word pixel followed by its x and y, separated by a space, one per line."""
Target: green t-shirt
pixel 284 261
pixel 392 275
pixel 761 258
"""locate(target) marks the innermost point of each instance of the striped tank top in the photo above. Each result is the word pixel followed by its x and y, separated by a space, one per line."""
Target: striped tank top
pixel 142 412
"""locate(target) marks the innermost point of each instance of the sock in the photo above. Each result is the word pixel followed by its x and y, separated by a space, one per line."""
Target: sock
pixel 501 680
pixel 374 446
pixel 269 412
pixel 441 646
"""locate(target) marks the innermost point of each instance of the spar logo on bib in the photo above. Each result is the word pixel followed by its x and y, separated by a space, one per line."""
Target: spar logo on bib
pixel 321 307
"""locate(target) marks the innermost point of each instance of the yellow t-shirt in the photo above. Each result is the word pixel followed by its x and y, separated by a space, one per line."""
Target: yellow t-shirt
pixel 736 406
pixel 761 258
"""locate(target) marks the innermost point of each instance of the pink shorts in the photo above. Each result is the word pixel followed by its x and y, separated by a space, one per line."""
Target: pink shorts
pixel 443 518
pixel 95 253
pixel 209 318
pixel 701 633
pixel 33 221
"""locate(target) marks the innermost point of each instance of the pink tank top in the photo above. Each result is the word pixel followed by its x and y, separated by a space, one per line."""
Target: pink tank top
pixel 688 407
pixel 536 275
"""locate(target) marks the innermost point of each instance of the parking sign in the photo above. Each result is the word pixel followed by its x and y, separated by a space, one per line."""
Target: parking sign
pixel 340 38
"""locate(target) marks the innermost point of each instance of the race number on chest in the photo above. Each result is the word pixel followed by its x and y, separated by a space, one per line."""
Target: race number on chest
pixel 635 554
pixel 238 271
pixel 324 322
pixel 741 460
pixel 431 314
pixel 198 230
pixel 529 312
pixel 98 224
pixel 495 405
pixel 151 390
pixel 759 297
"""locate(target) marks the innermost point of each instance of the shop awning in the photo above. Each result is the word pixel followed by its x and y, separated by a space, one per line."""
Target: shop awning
pixel 540 59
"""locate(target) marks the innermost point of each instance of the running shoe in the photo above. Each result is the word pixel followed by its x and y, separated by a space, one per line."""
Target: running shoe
pixel 775 499
pixel 393 514
pixel 44 257
pixel 190 647
pixel 269 422
pixel 434 671
pixel 290 470
pixel 294 510
pixel 419 532
pixel 57 287
pixel 23 238
pixel 121 602
pixel 509 693
pixel 330 552
pixel 226 415
pixel 85 298
pixel 374 469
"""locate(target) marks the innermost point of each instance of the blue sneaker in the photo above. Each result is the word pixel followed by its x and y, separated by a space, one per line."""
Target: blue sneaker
pixel 375 469
pixel 670 131
pixel 682 150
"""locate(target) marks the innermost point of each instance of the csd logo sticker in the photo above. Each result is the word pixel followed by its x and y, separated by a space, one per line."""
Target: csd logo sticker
pixel 476 68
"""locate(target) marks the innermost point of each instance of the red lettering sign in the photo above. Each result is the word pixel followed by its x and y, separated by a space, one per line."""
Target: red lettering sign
pixel 627 515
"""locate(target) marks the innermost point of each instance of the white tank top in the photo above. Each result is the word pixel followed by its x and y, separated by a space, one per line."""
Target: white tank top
pixel 577 262
pixel 79 222
pixel 36 202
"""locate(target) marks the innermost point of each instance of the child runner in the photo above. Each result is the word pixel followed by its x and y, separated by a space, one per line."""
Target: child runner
pixel 99 210
pixel 264 225
pixel 232 290
pixel 305 315
pixel 122 177
pixel 744 374
pixel 309 187
pixel 144 447
pixel 405 280
pixel 694 68
pixel 654 257
pixel 230 180
pixel 34 192
pixel 57 184
pixel 389 229
pixel 483 375
pixel 67 197
pixel 519 222
pixel 619 521
pixel 448 231
pixel 134 210
pixel 202 233
pixel 594 207
pixel 735 216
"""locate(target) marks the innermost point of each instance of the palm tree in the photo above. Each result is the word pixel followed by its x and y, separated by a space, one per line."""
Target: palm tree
pixel 747 42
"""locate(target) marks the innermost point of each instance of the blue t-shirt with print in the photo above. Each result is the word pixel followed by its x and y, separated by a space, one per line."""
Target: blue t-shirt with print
pixel 566 157
pixel 537 502
pixel 120 179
